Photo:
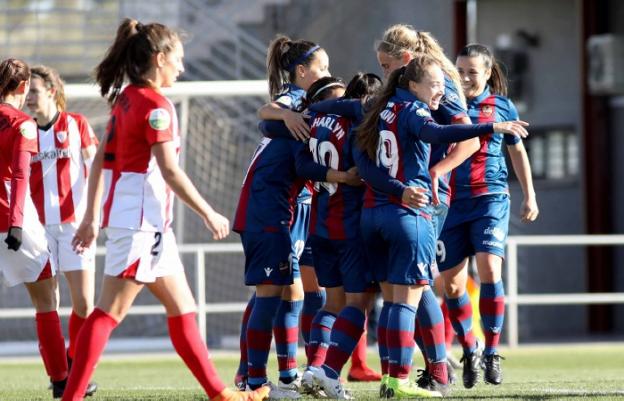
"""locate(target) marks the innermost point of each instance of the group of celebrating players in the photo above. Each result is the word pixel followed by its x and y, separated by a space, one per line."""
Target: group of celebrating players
pixel 354 188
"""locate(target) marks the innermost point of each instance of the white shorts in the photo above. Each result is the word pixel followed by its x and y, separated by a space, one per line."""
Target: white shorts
pixel 28 263
pixel 59 240
pixel 141 255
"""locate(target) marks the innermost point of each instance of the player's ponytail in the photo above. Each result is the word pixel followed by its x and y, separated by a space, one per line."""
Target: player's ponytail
pixel 368 131
pixel 130 55
pixel 283 57
pixel 497 81
pixel 12 72
pixel 51 80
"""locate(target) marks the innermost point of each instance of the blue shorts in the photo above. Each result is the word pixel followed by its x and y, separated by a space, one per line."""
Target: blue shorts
pixel 267 258
pixel 474 225
pixel 399 243
pixel 438 217
pixel 301 251
pixel 341 263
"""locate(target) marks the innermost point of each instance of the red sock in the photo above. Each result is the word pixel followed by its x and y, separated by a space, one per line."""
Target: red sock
pixel 190 346
pixel 52 344
pixel 358 358
pixel 93 337
pixel 75 324
pixel 449 332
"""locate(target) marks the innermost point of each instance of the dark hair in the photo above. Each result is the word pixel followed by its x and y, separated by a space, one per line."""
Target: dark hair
pixel 497 81
pixel 12 72
pixel 368 131
pixel 130 55
pixel 283 56
pixel 51 80
pixel 321 89
pixel 363 85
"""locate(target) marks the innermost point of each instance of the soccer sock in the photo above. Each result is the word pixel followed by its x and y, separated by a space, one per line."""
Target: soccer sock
pixel 52 345
pixel 382 329
pixel 313 302
pixel 400 340
pixel 75 323
pixel 286 332
pixel 189 345
pixel 259 337
pixel 419 342
pixel 492 308
pixel 242 362
pixel 93 337
pixel 320 335
pixel 460 313
pixel 358 357
pixel 345 334
pixel 432 331
pixel 449 333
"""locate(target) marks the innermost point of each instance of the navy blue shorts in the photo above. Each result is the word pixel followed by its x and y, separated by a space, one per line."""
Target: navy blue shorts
pixel 399 243
pixel 267 258
pixel 341 263
pixel 474 225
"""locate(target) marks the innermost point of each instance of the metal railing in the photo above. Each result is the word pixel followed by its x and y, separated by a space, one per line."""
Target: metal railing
pixel 514 300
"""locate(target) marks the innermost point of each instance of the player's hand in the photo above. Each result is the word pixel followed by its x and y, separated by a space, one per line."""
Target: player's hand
pixel 529 210
pixel 352 178
pixel 415 197
pixel 14 238
pixel 515 128
pixel 218 224
pixel 86 233
pixel 435 185
pixel 297 126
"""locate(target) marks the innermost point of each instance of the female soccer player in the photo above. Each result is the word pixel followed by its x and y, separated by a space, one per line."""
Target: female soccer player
pixel 58 183
pixel 26 258
pixel 137 162
pixel 292 66
pixel 478 220
pixel 394 133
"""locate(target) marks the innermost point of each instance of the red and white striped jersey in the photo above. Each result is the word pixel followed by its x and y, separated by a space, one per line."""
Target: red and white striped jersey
pixel 58 177
pixel 136 196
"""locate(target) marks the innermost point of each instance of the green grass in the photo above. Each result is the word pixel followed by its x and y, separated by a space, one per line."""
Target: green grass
pixel 534 373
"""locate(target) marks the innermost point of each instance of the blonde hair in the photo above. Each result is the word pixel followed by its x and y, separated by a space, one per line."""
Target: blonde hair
pixel 401 38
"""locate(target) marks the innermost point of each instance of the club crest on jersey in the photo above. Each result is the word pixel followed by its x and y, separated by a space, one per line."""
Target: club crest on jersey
pixel 422 113
pixel 61 136
pixel 159 119
pixel 28 130
pixel 487 110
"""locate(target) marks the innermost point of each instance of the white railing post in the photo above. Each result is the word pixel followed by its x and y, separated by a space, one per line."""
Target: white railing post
pixel 200 285
pixel 512 293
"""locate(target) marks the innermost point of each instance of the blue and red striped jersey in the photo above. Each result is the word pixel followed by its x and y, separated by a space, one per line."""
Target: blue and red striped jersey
pixel 291 97
pixel 451 109
pixel 400 151
pixel 335 207
pixel 272 183
pixel 485 172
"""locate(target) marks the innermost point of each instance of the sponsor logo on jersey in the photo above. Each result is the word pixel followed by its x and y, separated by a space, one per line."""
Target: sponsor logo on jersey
pixel 51 155
pixel 487 110
pixel 61 136
pixel 159 119
pixel 422 113
pixel 267 271
pixel 28 129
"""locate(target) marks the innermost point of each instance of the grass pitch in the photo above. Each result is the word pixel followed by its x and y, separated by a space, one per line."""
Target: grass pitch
pixel 532 373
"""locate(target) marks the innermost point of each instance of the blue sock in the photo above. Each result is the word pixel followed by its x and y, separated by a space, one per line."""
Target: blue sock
pixel 286 333
pixel 259 336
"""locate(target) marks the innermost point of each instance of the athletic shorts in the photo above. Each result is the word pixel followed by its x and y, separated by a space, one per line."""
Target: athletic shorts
pixel 341 263
pixel 474 225
pixel 268 258
pixel 399 243
pixel 301 249
pixel 438 217
pixel 143 256
pixel 59 241
pixel 32 262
